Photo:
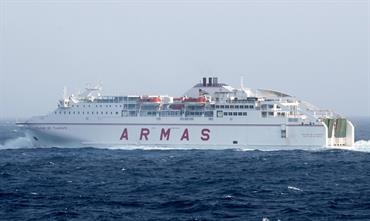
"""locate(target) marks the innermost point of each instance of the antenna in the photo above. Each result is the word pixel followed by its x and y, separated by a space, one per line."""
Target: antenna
pixel 99 85
pixel 64 92
pixel 242 82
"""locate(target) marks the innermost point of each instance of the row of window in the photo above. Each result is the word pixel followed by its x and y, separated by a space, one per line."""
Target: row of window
pixel 83 112
pixel 265 114
pixel 267 106
pixel 134 106
pixel 235 114
pixel 77 105
pixel 209 114
pixel 234 106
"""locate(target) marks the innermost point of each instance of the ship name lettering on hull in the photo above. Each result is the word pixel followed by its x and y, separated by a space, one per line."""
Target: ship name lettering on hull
pixel 165 134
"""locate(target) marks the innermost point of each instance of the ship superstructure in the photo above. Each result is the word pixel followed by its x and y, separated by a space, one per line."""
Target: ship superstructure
pixel 209 115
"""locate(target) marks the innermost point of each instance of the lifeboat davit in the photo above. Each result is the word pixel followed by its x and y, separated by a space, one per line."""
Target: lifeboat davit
pixel 177 106
pixel 178 99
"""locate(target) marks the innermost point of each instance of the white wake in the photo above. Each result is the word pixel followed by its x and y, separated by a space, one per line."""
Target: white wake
pixel 17 143
pixel 362 145
pixel 25 142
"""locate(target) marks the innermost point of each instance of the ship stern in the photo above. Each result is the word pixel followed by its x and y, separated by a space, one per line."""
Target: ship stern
pixel 340 132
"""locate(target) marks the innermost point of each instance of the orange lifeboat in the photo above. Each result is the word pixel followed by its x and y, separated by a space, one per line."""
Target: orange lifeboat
pixel 190 99
pixel 200 99
pixel 151 100
pixel 155 99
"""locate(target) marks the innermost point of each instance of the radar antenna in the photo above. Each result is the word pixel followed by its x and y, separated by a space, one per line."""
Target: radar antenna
pixel 64 92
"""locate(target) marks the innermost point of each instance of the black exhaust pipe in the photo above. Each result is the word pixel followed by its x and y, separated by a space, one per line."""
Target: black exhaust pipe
pixel 204 82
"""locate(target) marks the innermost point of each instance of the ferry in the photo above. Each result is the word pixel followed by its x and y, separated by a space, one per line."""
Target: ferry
pixel 210 115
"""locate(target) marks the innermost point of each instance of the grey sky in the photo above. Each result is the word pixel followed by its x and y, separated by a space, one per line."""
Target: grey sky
pixel 317 50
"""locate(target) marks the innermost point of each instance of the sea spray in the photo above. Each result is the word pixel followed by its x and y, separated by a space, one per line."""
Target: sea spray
pixel 17 143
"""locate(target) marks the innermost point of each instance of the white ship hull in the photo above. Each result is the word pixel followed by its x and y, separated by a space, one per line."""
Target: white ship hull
pixel 227 133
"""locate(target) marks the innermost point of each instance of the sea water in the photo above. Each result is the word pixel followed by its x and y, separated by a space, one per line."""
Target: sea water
pixel 120 184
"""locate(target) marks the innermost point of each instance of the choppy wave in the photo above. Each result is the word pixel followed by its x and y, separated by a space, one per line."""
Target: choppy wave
pixel 71 183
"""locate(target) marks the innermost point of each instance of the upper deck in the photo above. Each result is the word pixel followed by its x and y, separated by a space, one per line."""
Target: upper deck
pixel 207 99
